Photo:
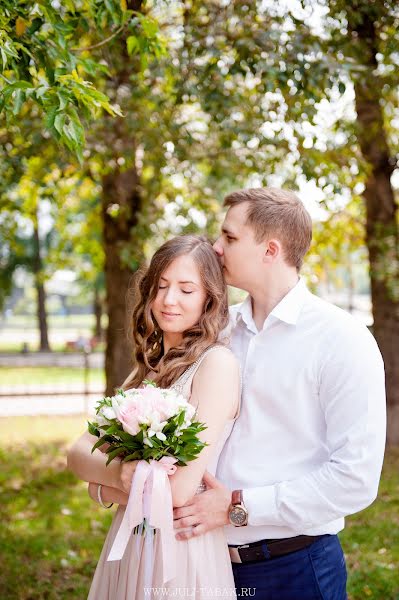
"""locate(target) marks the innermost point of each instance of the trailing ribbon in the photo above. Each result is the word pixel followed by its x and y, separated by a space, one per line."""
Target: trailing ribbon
pixel 150 498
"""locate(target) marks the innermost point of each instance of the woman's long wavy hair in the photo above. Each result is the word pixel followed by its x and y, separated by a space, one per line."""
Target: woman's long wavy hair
pixel 147 335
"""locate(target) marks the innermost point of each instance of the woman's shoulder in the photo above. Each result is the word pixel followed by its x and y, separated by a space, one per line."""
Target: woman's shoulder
pixel 219 357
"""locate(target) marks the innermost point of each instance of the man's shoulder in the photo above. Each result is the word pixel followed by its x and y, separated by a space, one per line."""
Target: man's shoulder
pixel 334 320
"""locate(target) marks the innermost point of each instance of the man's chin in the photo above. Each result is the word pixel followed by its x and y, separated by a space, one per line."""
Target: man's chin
pixel 229 280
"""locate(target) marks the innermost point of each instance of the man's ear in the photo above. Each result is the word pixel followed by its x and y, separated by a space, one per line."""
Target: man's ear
pixel 272 250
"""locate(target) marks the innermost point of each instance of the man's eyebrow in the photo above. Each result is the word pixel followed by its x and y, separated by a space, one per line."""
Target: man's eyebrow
pixel 227 230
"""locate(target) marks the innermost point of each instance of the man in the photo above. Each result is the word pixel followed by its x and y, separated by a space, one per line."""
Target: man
pixel 307 447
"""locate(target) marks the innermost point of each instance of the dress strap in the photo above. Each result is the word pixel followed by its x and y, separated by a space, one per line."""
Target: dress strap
pixel 181 384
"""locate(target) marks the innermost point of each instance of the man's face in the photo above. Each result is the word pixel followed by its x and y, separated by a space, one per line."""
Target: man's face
pixel 241 255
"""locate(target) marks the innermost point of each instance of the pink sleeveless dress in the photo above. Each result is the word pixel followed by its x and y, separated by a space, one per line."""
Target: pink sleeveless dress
pixel 203 563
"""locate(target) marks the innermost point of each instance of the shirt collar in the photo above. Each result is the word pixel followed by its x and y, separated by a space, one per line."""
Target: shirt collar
pixel 287 310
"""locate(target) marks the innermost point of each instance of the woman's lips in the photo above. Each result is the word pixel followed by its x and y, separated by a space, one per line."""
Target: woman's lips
pixel 168 315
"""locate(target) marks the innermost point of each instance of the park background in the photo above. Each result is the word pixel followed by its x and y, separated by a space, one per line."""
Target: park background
pixel 124 122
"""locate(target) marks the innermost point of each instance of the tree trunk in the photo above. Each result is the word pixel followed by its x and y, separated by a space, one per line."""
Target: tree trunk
pixel 382 234
pixel 98 311
pixel 118 188
pixel 41 294
pixel 121 204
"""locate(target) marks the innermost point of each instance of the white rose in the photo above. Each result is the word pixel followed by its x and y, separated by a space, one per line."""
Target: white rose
pixel 99 420
pixel 109 413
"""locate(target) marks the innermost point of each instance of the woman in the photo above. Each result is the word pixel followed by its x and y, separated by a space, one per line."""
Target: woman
pixel 180 312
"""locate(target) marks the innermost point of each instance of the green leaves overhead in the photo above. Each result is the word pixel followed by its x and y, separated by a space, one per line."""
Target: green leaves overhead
pixel 45 59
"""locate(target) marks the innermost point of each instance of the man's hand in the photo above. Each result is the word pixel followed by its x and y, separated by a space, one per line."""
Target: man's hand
pixel 205 511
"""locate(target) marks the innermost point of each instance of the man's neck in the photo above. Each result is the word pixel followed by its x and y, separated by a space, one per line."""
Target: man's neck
pixel 266 297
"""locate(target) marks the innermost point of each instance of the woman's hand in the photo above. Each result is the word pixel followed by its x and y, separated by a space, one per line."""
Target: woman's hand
pixel 127 470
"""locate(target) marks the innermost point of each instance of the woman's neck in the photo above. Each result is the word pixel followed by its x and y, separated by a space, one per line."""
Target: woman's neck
pixel 170 340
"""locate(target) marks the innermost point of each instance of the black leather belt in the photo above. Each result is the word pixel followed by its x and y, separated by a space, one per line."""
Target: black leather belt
pixel 267 549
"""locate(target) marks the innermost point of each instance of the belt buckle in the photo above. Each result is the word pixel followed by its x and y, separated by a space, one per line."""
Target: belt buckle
pixel 248 553
pixel 235 553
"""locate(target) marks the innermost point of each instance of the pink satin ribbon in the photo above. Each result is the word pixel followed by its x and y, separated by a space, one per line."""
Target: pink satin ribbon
pixel 150 488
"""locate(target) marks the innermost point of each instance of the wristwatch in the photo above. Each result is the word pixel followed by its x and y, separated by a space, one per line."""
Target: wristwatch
pixel 238 514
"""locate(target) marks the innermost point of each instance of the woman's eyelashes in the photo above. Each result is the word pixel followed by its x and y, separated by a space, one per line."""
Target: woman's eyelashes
pixel 163 287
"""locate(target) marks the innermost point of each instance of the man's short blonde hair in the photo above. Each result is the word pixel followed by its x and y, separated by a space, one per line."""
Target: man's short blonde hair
pixel 280 213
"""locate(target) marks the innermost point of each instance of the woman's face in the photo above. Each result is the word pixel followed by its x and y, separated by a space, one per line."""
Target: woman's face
pixel 180 299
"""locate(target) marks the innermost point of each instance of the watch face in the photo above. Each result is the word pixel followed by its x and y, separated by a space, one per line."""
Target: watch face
pixel 238 516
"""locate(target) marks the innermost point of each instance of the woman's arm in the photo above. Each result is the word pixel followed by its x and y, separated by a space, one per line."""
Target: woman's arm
pixel 108 494
pixel 216 392
pixel 92 467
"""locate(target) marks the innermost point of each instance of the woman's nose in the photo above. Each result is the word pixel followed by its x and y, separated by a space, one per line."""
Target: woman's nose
pixel 170 297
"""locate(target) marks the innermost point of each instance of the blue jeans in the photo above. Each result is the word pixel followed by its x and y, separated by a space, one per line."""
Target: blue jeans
pixel 317 572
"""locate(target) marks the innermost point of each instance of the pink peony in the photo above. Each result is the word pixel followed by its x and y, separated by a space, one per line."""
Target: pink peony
pixel 155 401
pixel 128 416
pixel 142 407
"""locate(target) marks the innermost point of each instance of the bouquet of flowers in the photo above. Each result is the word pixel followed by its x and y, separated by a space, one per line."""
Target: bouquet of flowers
pixel 157 427
pixel 147 424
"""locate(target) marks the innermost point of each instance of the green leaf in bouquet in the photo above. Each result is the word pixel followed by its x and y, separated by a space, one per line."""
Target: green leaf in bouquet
pixel 92 429
pixel 150 383
pixel 111 429
pixel 99 443
pixel 180 418
pixel 156 443
pixel 127 437
pixel 114 453
pixel 148 453
pixel 137 455
pixel 140 436
pixel 169 427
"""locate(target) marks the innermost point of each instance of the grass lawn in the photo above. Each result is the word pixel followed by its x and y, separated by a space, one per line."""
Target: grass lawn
pixel 52 534
pixel 49 375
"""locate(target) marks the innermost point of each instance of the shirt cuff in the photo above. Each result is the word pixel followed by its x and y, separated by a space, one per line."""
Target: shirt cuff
pixel 261 506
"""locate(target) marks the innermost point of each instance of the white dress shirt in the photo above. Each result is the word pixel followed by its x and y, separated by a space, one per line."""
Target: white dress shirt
pixel 308 445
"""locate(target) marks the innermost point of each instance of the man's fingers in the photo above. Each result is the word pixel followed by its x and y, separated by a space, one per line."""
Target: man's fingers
pixel 211 481
pixel 199 529
pixel 185 522
pixel 190 533
pixel 183 511
pixel 184 535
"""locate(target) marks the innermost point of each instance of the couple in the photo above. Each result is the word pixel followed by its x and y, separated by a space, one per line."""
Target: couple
pixel 294 451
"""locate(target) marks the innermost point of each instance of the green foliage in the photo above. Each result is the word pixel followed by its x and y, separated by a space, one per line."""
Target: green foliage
pixel 45 54
pixel 52 532
pixel 213 98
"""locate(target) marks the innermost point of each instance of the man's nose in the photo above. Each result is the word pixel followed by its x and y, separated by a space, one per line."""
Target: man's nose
pixel 217 246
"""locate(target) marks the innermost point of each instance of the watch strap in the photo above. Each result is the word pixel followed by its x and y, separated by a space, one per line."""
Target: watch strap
pixel 237 497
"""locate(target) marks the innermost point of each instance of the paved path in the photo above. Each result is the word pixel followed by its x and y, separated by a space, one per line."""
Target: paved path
pixel 49 399
pixel 48 405
pixel 51 359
